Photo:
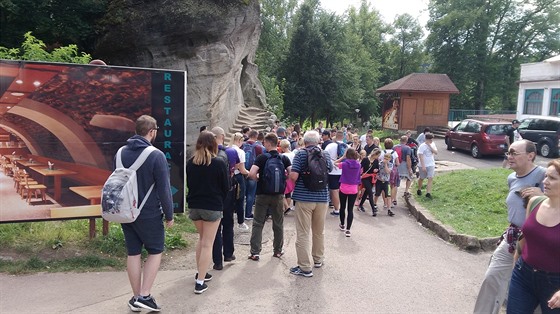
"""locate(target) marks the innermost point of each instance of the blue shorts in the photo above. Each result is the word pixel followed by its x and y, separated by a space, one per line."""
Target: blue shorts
pixel 334 181
pixel 149 233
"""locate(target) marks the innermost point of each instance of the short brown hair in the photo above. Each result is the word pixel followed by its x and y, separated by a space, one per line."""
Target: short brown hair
pixel 271 138
pixel 145 124
pixel 388 143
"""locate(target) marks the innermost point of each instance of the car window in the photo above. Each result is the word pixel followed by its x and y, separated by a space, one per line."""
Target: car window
pixel 525 124
pixel 472 127
pixel 539 124
pixel 551 125
pixel 497 129
pixel 461 126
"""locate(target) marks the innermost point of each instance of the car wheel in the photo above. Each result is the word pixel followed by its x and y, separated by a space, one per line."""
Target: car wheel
pixel 475 151
pixel 545 149
pixel 448 143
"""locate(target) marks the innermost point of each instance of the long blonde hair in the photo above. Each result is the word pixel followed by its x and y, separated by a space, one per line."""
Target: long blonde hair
pixel 235 138
pixel 206 148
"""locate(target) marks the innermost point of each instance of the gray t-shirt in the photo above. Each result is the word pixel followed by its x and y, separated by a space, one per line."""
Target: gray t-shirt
pixel 516 210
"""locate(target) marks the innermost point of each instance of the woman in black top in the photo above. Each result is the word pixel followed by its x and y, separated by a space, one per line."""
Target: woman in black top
pixel 208 183
pixel 370 167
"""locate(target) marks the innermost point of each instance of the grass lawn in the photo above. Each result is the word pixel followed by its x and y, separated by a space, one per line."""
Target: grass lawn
pixel 470 201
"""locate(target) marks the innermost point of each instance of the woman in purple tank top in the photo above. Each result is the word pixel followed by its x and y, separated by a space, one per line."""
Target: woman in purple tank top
pixel 536 275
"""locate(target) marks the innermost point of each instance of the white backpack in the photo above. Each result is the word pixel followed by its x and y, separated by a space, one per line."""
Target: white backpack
pixel 119 197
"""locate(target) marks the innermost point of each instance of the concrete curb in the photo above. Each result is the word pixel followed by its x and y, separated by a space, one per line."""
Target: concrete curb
pixel 463 241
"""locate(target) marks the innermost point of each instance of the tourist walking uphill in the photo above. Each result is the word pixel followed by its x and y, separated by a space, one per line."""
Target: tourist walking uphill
pixel 310 172
pixel 370 168
pixel 426 153
pixel 147 230
pixel 349 181
pixel 335 150
pixel 252 150
pixel 208 180
pixel 536 275
pixel 270 172
pixel 524 182
pixel 239 176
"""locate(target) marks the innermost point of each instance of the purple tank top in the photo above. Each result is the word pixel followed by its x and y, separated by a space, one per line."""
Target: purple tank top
pixel 542 244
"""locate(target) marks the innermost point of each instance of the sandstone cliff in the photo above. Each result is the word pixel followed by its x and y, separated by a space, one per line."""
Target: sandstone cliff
pixel 213 40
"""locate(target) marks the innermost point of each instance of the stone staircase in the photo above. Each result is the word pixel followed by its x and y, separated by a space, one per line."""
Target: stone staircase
pixel 256 118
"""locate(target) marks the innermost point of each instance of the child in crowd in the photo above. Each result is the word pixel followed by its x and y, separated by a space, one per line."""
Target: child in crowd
pixel 370 168
pixel 382 185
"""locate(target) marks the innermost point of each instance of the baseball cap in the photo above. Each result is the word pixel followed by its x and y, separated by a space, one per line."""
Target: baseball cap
pixel 515 121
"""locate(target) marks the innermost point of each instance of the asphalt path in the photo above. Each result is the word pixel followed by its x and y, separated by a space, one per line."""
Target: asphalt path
pixel 464 157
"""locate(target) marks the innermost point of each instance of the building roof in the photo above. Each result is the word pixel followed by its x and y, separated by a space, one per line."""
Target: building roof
pixel 421 82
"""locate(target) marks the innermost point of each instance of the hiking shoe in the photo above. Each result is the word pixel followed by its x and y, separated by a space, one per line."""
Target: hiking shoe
pixel 342 227
pixel 250 217
pixel 207 278
pixel 318 265
pixel 348 234
pixel 199 288
pixel 335 213
pixel 243 227
pixel 229 259
pixel 428 195
pixel 419 192
pixel 254 257
pixel 218 266
pixel 362 209
pixel 390 213
pixel 133 307
pixel 148 303
pixel 299 272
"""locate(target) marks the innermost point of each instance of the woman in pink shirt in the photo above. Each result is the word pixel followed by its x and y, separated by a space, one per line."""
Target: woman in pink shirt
pixel 536 275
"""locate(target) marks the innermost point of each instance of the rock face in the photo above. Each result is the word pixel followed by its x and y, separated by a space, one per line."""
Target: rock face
pixel 213 40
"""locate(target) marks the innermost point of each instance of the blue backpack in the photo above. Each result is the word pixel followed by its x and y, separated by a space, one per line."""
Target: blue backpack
pixel 250 153
pixel 341 149
pixel 274 179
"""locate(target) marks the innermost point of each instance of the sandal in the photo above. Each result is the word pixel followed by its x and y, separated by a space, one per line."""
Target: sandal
pixel 395 203
pixel 254 257
pixel 278 254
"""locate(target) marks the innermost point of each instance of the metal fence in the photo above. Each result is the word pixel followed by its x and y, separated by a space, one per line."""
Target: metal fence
pixel 460 114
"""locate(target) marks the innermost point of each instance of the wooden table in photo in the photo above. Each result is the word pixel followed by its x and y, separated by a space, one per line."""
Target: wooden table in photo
pixel 57 174
pixel 26 163
pixel 93 194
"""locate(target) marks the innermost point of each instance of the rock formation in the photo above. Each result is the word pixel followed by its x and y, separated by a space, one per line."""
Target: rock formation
pixel 213 40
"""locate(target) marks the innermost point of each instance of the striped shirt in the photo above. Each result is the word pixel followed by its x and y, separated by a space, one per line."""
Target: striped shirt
pixel 301 193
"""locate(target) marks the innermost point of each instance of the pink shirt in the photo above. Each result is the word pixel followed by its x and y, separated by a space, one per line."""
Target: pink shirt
pixel 542 244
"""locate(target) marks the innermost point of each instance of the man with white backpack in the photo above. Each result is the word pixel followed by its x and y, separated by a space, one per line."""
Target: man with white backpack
pixel 147 230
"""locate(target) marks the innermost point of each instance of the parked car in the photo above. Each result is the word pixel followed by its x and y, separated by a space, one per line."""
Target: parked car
pixel 478 137
pixel 544 132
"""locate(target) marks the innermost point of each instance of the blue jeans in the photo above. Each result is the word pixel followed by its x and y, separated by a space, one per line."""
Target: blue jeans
pixel 224 234
pixel 530 287
pixel 240 201
pixel 250 192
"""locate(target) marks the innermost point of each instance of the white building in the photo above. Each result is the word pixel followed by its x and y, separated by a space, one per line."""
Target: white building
pixel 539 89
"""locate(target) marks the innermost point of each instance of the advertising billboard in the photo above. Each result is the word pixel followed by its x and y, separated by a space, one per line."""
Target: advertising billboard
pixel 61 125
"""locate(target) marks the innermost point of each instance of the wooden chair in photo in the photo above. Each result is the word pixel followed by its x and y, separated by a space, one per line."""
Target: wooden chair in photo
pixel 6 167
pixel 30 189
pixel 19 177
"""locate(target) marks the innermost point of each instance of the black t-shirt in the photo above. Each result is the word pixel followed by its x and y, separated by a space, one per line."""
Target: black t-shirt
pixel 369 149
pixel 511 135
pixel 366 165
pixel 261 162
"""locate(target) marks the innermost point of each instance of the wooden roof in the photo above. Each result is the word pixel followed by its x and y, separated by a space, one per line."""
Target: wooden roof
pixel 421 82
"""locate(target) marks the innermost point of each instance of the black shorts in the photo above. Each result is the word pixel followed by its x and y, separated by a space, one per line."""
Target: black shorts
pixel 149 233
pixel 381 186
pixel 334 181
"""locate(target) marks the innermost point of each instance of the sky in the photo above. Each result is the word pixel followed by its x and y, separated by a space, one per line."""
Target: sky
pixel 388 8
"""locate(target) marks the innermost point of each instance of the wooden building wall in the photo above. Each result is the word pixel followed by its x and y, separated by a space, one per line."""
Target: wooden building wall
pixel 423 109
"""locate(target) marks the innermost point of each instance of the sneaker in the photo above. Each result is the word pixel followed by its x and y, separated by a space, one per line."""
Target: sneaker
pixel 243 227
pixel 318 265
pixel 298 271
pixel 133 307
pixel 419 192
pixel 218 266
pixel 199 288
pixel 342 227
pixel 362 209
pixel 229 259
pixel 374 213
pixel 250 217
pixel 268 217
pixel 390 213
pixel 428 195
pixel 289 209
pixel 148 303
pixel 348 234
pixel 207 278
pixel 335 213
pixel 278 254
pixel 375 207
pixel 394 203
pixel 254 257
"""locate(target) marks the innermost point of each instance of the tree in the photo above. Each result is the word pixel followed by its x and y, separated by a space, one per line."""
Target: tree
pixel 34 49
pixel 481 43
pixel 406 47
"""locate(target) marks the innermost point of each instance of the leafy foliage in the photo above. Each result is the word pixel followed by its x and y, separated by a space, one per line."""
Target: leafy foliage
pixel 34 49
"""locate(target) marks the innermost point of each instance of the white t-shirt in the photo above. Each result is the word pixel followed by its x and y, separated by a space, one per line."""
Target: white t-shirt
pixel 363 140
pixel 424 150
pixel 241 155
pixel 332 149
pixel 393 154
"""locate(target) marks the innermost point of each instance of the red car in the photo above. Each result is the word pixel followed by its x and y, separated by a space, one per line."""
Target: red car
pixel 479 137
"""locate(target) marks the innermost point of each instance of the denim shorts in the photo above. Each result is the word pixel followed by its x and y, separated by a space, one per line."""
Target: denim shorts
pixel 429 173
pixel 205 214
pixel 149 233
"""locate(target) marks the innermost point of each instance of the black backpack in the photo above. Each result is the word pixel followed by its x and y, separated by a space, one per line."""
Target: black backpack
pixel 316 174
pixel 274 175
pixel 223 156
